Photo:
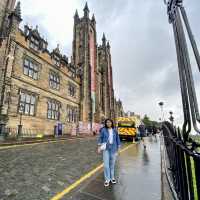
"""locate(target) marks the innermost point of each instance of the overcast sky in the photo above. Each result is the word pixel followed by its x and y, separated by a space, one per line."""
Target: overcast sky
pixel 142 46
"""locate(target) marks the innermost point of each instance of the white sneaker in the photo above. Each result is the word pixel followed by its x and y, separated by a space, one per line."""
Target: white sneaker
pixel 106 183
pixel 113 181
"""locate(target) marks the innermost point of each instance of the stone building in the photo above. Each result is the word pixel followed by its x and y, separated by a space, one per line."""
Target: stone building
pixel 6 7
pixel 97 94
pixel 40 88
pixel 106 95
pixel 119 110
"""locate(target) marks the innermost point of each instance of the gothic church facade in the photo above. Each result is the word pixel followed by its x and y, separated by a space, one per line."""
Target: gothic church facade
pixel 41 88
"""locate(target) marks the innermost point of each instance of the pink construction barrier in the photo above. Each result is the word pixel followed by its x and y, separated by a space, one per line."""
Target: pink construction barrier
pixel 85 128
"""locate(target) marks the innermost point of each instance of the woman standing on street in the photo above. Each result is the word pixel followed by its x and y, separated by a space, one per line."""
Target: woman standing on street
pixel 109 143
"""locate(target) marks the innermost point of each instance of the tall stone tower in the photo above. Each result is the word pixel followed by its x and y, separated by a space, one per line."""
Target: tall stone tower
pixel 85 59
pixel 6 7
pixel 110 83
pixel 106 80
pixel 9 26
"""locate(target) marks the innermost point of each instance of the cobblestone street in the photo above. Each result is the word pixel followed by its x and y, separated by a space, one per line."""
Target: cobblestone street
pixel 40 171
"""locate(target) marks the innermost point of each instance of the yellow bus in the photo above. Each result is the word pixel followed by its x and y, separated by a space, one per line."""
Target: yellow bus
pixel 126 127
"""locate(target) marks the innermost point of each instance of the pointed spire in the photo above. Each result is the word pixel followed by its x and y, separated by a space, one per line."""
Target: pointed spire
pixel 104 40
pixel 76 17
pixel 76 14
pixel 86 10
pixel 86 7
pixel 93 19
pixel 108 45
pixel 17 11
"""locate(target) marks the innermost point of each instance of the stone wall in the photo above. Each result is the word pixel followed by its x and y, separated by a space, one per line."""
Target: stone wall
pixel 3 4
pixel 41 88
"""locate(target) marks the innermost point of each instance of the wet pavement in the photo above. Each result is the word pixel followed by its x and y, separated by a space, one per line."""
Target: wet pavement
pixel 138 174
pixel 40 171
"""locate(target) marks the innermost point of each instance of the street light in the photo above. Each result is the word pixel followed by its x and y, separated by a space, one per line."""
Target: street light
pixel 171 118
pixel 21 109
pixel 2 129
pixel 161 104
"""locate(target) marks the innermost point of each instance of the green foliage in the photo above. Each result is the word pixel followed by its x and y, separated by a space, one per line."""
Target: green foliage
pixel 155 123
pixel 147 122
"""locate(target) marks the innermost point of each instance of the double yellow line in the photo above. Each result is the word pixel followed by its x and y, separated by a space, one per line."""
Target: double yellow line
pixel 83 178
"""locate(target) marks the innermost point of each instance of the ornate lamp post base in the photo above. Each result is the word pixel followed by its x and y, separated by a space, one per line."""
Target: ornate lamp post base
pixel 19 132
pixel 2 130
pixel 3 121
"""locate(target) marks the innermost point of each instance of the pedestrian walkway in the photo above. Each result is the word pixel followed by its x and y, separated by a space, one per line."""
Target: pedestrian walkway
pixel 138 174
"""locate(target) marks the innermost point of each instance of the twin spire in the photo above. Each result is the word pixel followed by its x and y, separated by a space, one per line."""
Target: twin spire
pixel 104 41
pixel 86 9
pixel 86 13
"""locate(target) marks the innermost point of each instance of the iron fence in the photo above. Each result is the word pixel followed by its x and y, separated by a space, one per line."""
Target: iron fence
pixel 10 132
pixel 181 149
pixel 183 163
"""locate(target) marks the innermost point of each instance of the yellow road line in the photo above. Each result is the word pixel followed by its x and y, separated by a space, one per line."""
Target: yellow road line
pixel 22 145
pixel 83 178
pixel 33 144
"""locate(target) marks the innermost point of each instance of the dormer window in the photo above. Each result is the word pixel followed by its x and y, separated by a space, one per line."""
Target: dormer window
pixel 56 60
pixel 34 44
pixel 44 45
pixel 56 56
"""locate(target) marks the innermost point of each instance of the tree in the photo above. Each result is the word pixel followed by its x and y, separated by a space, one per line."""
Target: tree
pixel 147 122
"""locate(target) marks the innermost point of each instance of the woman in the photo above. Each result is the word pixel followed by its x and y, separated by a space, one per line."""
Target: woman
pixel 109 143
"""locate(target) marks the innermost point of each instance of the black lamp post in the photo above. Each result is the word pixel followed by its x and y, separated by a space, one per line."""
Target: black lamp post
pixel 21 109
pixel 161 104
pixel 2 129
pixel 171 118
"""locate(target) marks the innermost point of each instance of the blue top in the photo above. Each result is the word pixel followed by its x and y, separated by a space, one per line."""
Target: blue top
pixel 104 138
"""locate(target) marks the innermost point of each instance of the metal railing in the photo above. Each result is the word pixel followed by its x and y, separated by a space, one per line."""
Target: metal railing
pixel 10 132
pixel 181 149
pixel 183 163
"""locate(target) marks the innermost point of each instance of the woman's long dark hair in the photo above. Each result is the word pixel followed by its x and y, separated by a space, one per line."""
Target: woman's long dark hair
pixel 105 123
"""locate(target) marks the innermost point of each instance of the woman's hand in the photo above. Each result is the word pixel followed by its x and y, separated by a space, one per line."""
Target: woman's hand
pixel 99 150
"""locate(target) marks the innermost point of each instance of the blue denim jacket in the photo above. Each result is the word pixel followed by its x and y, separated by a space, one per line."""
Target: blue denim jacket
pixel 103 138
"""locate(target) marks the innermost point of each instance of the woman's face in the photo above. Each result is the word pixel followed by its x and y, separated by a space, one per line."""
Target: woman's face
pixel 109 124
